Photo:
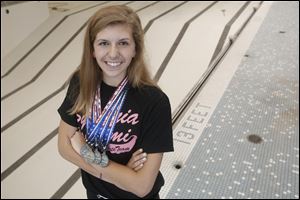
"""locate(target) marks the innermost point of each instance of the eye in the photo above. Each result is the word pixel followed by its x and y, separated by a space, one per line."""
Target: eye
pixel 124 43
pixel 103 43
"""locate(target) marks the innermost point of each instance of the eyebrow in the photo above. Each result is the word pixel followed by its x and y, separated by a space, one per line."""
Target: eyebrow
pixel 105 40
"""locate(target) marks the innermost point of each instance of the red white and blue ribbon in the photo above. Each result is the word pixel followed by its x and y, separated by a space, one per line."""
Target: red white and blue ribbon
pixel 100 124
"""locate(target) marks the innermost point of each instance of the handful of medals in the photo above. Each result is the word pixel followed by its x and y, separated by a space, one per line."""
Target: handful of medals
pixel 94 157
pixel 100 125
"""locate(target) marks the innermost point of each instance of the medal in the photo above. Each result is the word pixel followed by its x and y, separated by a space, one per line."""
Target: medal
pixel 100 124
pixel 87 153
pixel 104 160
pixel 98 157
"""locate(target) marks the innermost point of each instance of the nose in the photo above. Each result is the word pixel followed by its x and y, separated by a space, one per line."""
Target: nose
pixel 113 52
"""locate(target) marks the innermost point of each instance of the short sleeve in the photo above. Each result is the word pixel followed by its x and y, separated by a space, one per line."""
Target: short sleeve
pixel 64 109
pixel 157 127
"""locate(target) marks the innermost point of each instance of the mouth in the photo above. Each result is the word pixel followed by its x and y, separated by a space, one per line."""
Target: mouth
pixel 113 64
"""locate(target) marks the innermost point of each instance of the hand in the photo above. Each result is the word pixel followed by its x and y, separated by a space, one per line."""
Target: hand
pixel 77 141
pixel 137 160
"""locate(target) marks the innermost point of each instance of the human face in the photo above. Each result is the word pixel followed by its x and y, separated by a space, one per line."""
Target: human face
pixel 114 48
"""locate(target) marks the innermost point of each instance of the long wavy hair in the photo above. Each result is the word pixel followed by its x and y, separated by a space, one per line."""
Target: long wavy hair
pixel 90 74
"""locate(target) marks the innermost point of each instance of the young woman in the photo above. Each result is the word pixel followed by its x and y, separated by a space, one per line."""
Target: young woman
pixel 113 112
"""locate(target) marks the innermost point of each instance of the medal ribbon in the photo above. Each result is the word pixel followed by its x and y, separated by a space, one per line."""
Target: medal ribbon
pixel 100 125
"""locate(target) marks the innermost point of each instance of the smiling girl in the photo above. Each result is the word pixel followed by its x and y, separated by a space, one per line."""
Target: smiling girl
pixel 115 122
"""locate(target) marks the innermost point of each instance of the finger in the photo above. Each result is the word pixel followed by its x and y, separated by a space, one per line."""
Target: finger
pixel 131 162
pixel 137 152
pixel 139 162
pixel 138 167
pixel 138 156
pixel 142 156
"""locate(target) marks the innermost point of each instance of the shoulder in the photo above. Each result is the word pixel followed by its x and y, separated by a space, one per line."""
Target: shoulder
pixel 150 98
pixel 74 79
pixel 74 85
pixel 153 94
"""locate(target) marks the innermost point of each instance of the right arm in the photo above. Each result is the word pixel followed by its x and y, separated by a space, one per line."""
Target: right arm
pixel 65 133
pixel 66 150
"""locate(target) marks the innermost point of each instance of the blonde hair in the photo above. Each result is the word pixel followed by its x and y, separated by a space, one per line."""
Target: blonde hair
pixel 90 74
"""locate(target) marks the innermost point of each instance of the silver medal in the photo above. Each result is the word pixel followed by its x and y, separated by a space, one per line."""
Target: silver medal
pixel 100 123
pixel 87 153
pixel 104 160
pixel 98 157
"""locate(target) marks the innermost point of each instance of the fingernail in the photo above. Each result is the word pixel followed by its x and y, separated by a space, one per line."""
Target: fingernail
pixel 141 150
pixel 144 154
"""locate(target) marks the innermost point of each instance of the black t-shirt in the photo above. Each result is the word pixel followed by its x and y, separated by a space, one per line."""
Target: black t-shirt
pixel 144 122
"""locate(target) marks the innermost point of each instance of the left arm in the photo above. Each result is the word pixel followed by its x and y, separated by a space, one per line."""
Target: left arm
pixel 138 182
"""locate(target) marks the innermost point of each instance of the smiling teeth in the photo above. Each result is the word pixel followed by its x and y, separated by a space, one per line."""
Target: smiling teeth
pixel 113 64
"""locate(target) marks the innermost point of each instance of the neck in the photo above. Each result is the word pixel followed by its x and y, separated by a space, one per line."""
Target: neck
pixel 113 82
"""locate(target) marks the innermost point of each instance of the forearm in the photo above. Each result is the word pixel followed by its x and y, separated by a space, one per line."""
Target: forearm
pixel 138 182
pixel 127 179
pixel 67 152
pixel 122 176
